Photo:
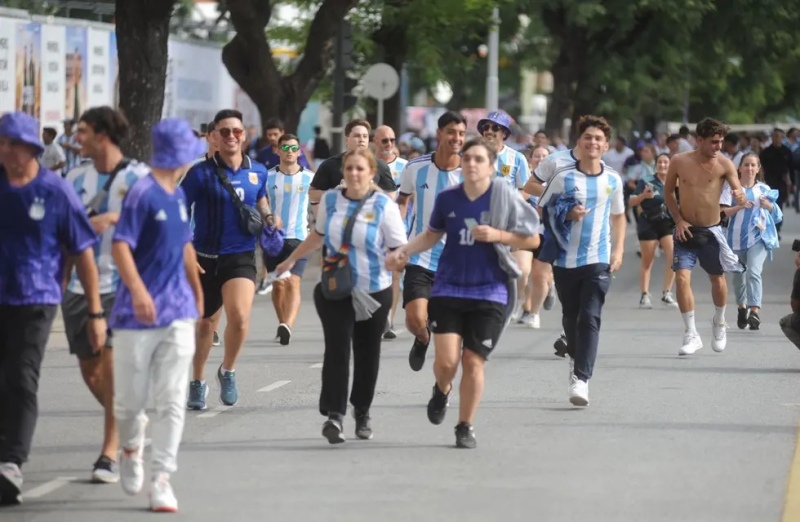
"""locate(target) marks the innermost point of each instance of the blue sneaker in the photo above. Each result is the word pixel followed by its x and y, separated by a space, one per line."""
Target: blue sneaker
pixel 227 387
pixel 198 392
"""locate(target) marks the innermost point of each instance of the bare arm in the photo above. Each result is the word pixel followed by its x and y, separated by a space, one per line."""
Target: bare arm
pixel 102 222
pixel 193 275
pixel 618 226
pixel 402 202
pixel 669 191
pixel 90 280
pixel 533 187
pixel 312 242
pixel 422 242
pixel 518 241
pixel 314 195
pixel 123 259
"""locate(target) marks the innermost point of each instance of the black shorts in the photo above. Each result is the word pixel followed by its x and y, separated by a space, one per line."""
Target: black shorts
pixel 74 310
pixel 417 284
pixel 218 271
pixel 536 251
pixel 289 246
pixel 478 322
pixel 654 230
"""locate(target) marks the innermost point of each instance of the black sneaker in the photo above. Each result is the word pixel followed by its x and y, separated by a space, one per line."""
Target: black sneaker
pixel 741 318
pixel 363 429
pixel 388 332
pixel 560 346
pixel 105 471
pixel 465 436
pixel 437 406
pixel 754 320
pixel 215 339
pixel 332 430
pixel 284 334
pixel 416 357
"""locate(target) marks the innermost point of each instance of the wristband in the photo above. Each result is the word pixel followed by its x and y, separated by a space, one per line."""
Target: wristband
pixel 99 315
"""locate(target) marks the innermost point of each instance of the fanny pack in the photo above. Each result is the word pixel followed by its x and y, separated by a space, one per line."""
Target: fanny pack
pixel 337 276
pixel 250 221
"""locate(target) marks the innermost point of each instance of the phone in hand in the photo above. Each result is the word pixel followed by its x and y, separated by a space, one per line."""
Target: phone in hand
pixel 471 223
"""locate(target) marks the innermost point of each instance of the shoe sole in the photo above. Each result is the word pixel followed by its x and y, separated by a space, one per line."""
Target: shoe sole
pixel 578 401
pixel 97 479
pixel 164 509
pixel 364 437
pixel 9 493
pixel 754 324
pixel 436 417
pixel 284 335
pixel 415 360
pixel 219 381
pixel 389 336
pixel 199 407
pixel 466 445
pixel 560 347
pixel 215 340
pixel 333 434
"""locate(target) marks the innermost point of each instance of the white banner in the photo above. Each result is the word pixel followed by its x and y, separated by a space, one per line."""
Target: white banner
pixel 99 93
pixel 53 76
pixel 8 75
pixel 191 92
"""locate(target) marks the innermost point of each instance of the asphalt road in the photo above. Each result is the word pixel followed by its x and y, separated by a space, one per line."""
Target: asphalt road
pixel 704 438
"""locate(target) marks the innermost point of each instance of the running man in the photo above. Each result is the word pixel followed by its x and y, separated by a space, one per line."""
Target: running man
pixel 423 179
pixel 702 174
pixel 287 188
pixel 226 254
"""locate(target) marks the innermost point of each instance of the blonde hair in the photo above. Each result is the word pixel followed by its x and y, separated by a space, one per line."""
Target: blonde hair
pixel 372 162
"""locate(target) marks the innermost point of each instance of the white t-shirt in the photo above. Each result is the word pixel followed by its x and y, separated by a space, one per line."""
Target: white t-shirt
pixel 53 155
pixel 616 159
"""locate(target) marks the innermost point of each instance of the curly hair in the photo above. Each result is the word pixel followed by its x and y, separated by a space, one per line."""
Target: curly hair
pixel 598 122
pixel 709 127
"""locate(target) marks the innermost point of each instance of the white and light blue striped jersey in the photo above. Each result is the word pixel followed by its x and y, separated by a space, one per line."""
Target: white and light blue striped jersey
pixel 425 181
pixel 512 166
pixel 378 227
pixel 288 198
pixel 742 232
pixel 87 183
pixel 396 167
pixel 602 196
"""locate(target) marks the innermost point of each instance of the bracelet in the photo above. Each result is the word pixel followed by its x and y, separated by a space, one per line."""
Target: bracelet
pixel 99 315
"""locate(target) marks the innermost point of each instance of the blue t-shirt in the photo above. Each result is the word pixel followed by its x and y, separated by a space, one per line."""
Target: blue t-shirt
pixel 467 268
pixel 272 159
pixel 216 218
pixel 38 221
pixel 155 224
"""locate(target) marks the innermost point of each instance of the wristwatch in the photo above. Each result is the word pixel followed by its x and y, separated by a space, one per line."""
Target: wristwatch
pixel 99 315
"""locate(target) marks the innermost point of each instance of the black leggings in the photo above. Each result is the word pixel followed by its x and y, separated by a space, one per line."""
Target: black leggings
pixel 341 332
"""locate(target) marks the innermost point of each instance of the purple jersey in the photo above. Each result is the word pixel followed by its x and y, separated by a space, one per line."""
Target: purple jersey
pixel 467 269
pixel 155 224
pixel 37 223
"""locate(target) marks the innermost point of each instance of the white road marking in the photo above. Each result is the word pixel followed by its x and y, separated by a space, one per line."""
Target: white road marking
pixel 274 386
pixel 47 487
pixel 316 365
pixel 213 412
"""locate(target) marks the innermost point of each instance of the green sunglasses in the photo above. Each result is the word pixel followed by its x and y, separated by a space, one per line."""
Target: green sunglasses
pixel 288 148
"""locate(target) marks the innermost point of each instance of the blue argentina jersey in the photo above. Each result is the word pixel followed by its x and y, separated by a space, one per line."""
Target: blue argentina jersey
pixel 425 181
pixel 216 218
pixel 742 232
pixel 512 166
pixel 589 240
pixel 288 197
pixel 378 228
pixel 87 183
pixel 396 167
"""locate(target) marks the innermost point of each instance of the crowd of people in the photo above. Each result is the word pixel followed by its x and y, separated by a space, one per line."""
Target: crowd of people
pixel 470 238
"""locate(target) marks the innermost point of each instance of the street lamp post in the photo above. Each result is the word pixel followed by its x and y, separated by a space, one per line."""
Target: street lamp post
pixel 492 80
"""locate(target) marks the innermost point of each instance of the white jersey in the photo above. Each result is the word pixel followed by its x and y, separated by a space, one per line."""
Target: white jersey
pixel 87 183
pixel 425 181
pixel 396 167
pixel 547 167
pixel 742 232
pixel 513 167
pixel 288 197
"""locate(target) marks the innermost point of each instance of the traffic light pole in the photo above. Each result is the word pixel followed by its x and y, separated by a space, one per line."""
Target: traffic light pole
pixel 337 130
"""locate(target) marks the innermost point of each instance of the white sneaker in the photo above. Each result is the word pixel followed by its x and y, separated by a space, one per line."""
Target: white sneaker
pixel 533 321
pixel 691 343
pixel 162 498
pixel 720 340
pixel 517 313
pixel 578 392
pixel 131 468
pixel 645 302
pixel 10 483
pixel 669 300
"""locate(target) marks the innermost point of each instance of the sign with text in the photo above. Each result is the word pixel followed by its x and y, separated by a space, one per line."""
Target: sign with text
pixel 8 69
pixel 98 83
pixel 53 76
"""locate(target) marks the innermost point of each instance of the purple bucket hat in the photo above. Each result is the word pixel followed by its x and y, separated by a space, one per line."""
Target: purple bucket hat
pixel 271 241
pixel 174 144
pixel 22 127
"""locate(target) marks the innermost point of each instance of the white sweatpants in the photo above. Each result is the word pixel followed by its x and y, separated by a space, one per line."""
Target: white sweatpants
pixel 159 358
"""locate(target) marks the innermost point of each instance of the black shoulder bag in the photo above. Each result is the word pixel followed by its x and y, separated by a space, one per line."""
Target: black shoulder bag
pixel 337 276
pixel 250 221
pixel 93 207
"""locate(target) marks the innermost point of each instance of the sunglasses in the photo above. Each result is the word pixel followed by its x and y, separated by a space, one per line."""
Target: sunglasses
pixel 226 132
pixel 493 127
pixel 290 148
pixel 386 141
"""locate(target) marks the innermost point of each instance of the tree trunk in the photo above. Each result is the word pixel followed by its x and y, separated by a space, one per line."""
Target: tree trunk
pixel 561 98
pixel 142 35
pixel 248 58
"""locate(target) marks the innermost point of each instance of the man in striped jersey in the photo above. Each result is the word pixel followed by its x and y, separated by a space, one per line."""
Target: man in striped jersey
pixel 101 185
pixel 594 242
pixel 287 190
pixel 385 141
pixel 424 178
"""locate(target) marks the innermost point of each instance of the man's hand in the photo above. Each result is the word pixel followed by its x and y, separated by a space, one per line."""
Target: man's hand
pixel 284 267
pixel 103 222
pixel 739 196
pixel 143 307
pixel 485 234
pixel 97 330
pixel 616 261
pixel 682 231
pixel 648 192
pixel 577 213
pixel 396 260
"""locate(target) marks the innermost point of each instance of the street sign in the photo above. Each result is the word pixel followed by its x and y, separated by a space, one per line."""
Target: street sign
pixel 381 82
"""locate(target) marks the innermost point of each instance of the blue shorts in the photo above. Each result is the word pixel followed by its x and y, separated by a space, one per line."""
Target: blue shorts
pixel 688 254
pixel 289 246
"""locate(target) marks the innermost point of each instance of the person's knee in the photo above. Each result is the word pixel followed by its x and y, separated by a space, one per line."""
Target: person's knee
pixel 472 363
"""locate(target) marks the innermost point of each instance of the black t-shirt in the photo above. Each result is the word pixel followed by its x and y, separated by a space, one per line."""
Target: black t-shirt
pixel 329 175
pixel 776 162
pixel 796 286
pixel 321 149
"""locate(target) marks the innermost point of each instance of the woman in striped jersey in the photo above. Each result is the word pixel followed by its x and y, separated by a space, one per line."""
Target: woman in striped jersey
pixel 752 236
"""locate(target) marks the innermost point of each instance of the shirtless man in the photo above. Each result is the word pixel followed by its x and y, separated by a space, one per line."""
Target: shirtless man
pixel 698 236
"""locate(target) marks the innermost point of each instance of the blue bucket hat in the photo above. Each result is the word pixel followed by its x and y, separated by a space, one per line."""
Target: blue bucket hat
pixel 271 241
pixel 21 127
pixel 498 118
pixel 174 144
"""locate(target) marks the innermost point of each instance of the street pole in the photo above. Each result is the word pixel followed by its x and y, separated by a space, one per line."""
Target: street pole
pixel 492 80
pixel 337 132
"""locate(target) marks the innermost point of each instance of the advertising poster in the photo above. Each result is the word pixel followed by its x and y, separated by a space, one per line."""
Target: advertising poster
pixel 191 92
pixel 28 68
pixel 113 75
pixel 76 64
pixel 52 76
pixel 8 60
pixel 98 79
